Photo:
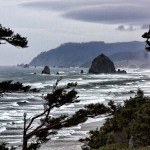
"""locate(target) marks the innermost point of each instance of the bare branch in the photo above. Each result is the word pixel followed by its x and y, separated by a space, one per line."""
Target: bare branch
pixel 37 116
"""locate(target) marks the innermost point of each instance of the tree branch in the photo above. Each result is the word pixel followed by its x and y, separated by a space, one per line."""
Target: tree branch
pixel 32 133
pixel 36 118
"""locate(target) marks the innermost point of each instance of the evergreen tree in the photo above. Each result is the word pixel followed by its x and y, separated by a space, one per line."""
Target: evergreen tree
pixel 49 125
pixel 7 35
pixel 146 35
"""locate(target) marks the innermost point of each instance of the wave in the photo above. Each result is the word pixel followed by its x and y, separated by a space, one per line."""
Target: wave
pixel 35 85
pixel 5 116
pixel 67 106
pixel 23 102
pixel 64 133
pixel 15 104
pixel 90 120
pixel 18 122
pixel 2 129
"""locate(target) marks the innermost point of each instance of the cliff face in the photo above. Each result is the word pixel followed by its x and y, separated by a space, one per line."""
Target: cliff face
pixel 77 54
pixel 102 64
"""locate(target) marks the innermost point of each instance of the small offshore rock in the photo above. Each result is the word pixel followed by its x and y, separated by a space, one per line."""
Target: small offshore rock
pixel 26 66
pixel 82 71
pixel 46 70
pixel 121 71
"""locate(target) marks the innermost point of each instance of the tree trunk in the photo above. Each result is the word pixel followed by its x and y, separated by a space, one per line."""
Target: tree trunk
pixel 24 146
pixel 25 140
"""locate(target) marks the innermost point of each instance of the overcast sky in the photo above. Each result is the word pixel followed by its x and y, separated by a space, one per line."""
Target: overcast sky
pixel 49 23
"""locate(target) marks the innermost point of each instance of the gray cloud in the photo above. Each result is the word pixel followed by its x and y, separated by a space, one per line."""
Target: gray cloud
pixel 99 11
pixel 48 23
pixel 126 28
pixel 145 26
pixel 120 28
pixel 111 14
pixel 60 5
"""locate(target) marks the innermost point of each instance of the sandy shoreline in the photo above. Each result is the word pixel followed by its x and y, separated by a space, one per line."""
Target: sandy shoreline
pixel 71 144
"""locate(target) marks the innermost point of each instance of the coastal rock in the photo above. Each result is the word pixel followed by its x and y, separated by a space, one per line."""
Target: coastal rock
pixel 102 64
pixel 82 72
pixel 121 71
pixel 23 65
pixel 46 70
pixel 26 66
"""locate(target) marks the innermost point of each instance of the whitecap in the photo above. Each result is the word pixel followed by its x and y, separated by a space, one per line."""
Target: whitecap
pixel 90 120
pixel 18 122
pixel 61 72
pixel 23 102
pixel 97 87
pixel 82 89
pixel 91 101
pixel 73 71
pixel 34 85
pixel 74 127
pixel 2 129
pixel 54 138
pixel 67 106
pixel 5 116
pixel 65 133
pixel 15 104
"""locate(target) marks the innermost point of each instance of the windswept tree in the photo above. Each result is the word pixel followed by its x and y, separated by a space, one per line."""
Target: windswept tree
pixel 34 136
pixel 146 35
pixel 7 35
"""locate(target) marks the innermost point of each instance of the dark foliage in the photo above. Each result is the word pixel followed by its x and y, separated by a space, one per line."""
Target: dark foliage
pixel 8 86
pixel 130 120
pixel 49 125
pixel 146 35
pixel 60 96
pixel 3 146
pixel 80 116
pixel 6 34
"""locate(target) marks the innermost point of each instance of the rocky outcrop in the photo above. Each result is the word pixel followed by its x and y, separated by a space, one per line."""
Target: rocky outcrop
pixel 121 71
pixel 46 70
pixel 102 64
pixel 26 66
pixel 81 71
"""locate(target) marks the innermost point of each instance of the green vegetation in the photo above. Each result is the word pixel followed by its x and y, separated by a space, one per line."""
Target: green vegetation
pixel 49 125
pixel 6 34
pixel 146 35
pixel 58 97
pixel 3 146
pixel 118 147
pixel 127 127
pixel 8 86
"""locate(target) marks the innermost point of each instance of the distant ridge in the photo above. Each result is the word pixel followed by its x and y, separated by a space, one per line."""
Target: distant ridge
pixel 78 54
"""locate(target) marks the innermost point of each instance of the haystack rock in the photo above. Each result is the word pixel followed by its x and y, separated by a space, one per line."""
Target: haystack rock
pixel 46 70
pixel 102 64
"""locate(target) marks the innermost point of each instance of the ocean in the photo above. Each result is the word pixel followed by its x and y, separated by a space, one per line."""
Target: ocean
pixel 91 89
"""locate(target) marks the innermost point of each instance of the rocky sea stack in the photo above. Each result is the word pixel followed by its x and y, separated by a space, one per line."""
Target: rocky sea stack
pixel 102 64
pixel 46 70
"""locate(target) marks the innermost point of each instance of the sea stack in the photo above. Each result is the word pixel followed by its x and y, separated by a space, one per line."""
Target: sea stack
pixel 46 70
pixel 102 64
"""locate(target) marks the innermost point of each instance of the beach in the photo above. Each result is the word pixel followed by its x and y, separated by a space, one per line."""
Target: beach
pixel 71 144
